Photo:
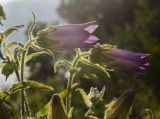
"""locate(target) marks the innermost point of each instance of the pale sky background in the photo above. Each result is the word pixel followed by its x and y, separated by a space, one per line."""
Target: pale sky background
pixel 20 12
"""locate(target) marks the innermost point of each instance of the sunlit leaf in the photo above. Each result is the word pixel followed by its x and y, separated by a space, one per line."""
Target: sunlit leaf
pixel 85 98
pixel 9 45
pixel 57 108
pixel 29 84
pixel 43 112
pixel 11 29
pixel 3 95
pixel 70 113
pixel 149 114
pixel 119 109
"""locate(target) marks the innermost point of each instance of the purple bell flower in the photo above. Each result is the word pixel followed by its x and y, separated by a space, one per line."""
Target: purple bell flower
pixel 123 59
pixel 72 36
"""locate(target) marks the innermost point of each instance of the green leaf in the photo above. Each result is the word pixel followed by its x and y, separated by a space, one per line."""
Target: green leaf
pixel 43 112
pixel 119 109
pixel 8 68
pixel 57 109
pixel 13 112
pixel 3 95
pixel 33 55
pixel 64 93
pixel 86 100
pixel 94 67
pixel 9 45
pixel 1 55
pixel 29 84
pixel 11 29
pixel 70 113
pixel 149 114
pixel 7 111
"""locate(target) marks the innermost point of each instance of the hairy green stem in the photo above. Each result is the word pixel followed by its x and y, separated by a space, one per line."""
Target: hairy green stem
pixel 24 99
pixel 71 78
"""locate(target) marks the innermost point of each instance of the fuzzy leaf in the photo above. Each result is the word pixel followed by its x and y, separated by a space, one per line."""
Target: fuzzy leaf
pixel 86 100
pixel 36 54
pixel 11 29
pixel 29 84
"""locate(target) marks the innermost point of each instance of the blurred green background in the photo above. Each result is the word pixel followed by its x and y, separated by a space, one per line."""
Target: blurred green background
pixel 130 24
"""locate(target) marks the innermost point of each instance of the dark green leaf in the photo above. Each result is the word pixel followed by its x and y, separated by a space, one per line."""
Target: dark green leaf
pixel 8 68
pixel 86 100
pixel 57 109
pixel 119 109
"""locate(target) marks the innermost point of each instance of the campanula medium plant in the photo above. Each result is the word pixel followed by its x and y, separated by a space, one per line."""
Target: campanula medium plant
pixel 102 58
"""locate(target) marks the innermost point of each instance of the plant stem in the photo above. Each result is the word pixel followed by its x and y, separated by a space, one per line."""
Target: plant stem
pixel 24 100
pixel 71 78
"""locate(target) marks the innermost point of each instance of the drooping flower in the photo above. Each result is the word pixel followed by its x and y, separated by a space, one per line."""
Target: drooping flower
pixel 123 59
pixel 69 36
pixel 113 57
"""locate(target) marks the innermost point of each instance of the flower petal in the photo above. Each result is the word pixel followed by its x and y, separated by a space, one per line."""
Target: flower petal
pixel 91 39
pixel 91 28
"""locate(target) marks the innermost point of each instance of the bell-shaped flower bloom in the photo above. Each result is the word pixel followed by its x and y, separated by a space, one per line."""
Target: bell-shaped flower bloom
pixel 123 59
pixel 69 36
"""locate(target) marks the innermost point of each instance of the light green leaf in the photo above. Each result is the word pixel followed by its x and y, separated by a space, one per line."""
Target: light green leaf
pixel 149 113
pixel 29 84
pixel 7 48
pixel 3 95
pixel 70 113
pixel 85 98
pixel 43 112
pixel 119 109
pixel 11 29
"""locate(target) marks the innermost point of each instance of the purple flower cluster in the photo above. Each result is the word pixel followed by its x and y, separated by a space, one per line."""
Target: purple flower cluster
pixel 81 36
